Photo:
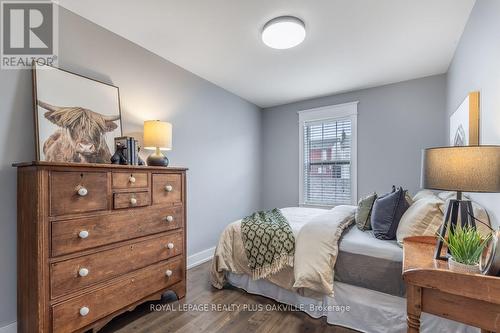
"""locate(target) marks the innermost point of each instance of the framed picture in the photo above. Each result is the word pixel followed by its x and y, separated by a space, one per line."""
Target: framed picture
pixel 464 122
pixel 76 118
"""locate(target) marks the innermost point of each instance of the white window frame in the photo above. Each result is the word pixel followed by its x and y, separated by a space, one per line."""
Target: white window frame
pixel 330 112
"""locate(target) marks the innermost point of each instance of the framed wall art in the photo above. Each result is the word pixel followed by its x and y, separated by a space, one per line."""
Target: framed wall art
pixel 76 117
pixel 464 122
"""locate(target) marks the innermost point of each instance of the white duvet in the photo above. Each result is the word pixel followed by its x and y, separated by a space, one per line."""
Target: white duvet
pixel 317 233
pixel 317 247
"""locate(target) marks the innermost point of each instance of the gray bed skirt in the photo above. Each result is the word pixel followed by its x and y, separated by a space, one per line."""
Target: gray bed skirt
pixel 369 272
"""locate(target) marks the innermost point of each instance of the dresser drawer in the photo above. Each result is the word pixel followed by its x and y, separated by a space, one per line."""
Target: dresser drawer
pixel 131 199
pixel 126 180
pixel 167 188
pixel 84 233
pixel 78 192
pixel 67 316
pixel 71 275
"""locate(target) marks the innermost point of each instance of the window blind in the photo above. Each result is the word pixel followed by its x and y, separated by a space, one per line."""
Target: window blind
pixel 327 162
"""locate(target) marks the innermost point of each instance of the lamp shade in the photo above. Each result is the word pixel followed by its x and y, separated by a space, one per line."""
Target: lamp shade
pixel 157 134
pixel 466 169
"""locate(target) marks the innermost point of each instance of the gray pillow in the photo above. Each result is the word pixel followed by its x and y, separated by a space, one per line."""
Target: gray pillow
pixel 363 212
pixel 386 214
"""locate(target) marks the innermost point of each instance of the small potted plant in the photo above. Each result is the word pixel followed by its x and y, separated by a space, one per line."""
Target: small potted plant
pixel 466 246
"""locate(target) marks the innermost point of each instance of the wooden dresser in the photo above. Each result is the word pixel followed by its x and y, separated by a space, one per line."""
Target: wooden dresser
pixel 96 240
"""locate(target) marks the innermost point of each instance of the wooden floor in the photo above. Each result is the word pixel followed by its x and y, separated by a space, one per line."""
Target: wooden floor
pixel 199 294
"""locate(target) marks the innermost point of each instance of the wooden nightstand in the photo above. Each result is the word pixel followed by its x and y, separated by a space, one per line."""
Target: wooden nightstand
pixel 472 299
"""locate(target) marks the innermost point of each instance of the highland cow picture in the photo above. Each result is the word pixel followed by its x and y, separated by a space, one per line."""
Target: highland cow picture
pixel 76 118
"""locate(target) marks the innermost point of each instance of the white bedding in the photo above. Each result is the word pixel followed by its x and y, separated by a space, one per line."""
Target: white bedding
pixel 317 233
pixel 353 240
pixel 296 216
pixel 364 242
pixel 369 310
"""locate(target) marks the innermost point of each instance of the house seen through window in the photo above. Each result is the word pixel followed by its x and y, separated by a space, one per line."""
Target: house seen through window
pixel 327 160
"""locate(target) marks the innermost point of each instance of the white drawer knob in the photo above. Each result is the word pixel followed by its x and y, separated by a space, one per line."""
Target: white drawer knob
pixel 83 234
pixel 170 245
pixel 133 201
pixel 169 218
pixel 82 191
pixel 131 179
pixel 84 311
pixel 169 188
pixel 83 272
pixel 168 272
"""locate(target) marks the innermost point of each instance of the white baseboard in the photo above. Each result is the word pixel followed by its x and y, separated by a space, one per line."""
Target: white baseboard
pixel 198 258
pixel 192 261
pixel 11 328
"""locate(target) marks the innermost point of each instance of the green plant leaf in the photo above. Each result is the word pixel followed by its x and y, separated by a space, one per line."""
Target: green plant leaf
pixel 466 244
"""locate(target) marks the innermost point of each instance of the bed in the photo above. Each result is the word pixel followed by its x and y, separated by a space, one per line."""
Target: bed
pixel 369 294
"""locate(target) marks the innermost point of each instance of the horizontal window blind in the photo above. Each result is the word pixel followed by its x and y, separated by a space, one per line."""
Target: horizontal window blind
pixel 327 162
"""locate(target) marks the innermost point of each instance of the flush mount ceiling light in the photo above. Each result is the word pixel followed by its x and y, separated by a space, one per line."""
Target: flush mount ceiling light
pixel 284 32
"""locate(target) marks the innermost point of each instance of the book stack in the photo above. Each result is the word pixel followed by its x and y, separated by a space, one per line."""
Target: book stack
pixel 129 148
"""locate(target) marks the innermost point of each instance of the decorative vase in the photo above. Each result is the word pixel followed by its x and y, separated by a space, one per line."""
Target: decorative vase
pixel 456 266
pixel 490 260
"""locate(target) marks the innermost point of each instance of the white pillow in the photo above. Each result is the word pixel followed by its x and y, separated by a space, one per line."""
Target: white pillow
pixel 423 218
pixel 447 195
pixel 423 194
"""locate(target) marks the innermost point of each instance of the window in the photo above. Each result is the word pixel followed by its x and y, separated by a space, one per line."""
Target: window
pixel 328 155
pixel 323 155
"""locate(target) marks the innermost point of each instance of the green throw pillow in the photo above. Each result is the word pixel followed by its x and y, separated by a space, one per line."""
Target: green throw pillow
pixel 362 216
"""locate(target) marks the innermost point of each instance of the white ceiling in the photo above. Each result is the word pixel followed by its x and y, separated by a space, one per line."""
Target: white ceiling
pixel 350 44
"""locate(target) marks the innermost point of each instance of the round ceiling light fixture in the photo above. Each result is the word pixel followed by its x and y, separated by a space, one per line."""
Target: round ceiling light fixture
pixel 284 32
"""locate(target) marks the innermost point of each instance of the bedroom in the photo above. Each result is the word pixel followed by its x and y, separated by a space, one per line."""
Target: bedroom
pixel 397 70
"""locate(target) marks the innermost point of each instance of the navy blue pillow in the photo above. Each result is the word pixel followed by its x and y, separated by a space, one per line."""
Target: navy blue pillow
pixel 386 214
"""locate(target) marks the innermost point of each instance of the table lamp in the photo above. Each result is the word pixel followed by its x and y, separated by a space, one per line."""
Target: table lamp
pixel 460 169
pixel 157 136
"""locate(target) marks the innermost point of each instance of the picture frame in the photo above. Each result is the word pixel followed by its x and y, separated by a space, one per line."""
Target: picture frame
pixel 76 117
pixel 464 122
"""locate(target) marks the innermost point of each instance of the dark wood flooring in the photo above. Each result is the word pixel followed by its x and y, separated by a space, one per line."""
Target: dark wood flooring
pixel 191 313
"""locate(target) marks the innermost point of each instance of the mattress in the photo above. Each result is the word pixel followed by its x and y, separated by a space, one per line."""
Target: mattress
pixel 371 263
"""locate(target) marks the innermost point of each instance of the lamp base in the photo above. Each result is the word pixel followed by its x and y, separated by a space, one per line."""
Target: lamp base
pixel 157 159
pixel 455 207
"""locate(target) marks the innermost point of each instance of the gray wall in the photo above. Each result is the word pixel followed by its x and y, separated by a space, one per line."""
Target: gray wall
pixel 394 123
pixel 214 132
pixel 476 66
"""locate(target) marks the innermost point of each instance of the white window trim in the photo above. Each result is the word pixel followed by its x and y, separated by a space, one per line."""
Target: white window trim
pixel 323 113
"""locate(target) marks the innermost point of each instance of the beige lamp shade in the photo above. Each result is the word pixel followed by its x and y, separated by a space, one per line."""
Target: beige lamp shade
pixel 157 134
pixel 466 169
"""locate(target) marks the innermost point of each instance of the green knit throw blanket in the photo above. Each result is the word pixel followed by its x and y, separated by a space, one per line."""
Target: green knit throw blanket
pixel 269 242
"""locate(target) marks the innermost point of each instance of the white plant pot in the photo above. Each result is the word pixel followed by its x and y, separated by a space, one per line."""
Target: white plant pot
pixel 455 266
